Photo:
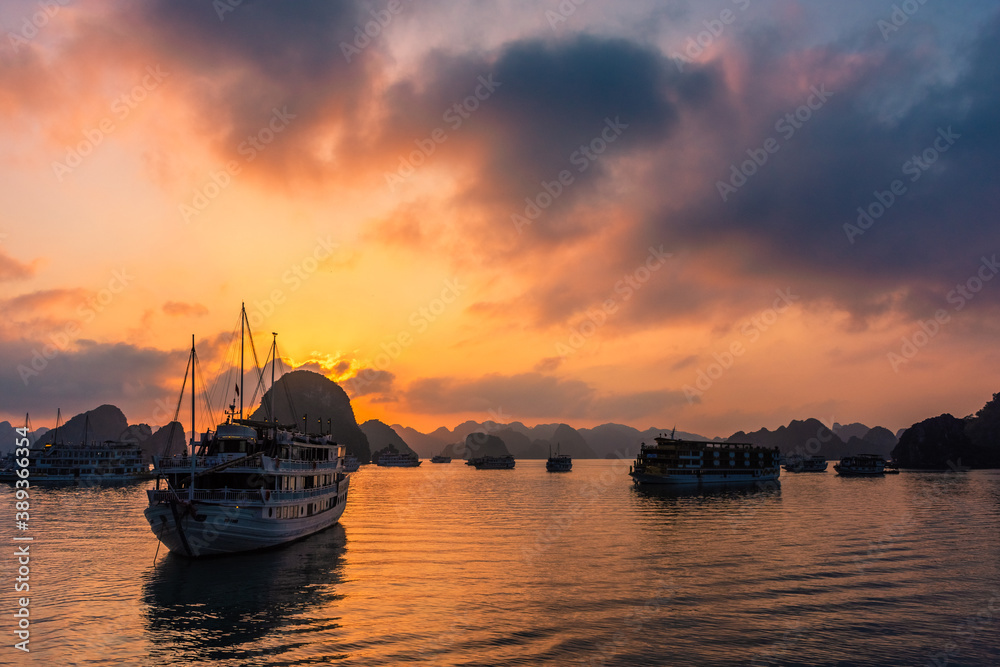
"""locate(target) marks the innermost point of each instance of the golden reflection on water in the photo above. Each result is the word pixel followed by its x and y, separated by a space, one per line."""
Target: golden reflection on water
pixel 448 565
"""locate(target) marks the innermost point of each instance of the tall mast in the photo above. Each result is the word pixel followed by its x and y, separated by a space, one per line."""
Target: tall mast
pixel 274 361
pixel 243 317
pixel 193 431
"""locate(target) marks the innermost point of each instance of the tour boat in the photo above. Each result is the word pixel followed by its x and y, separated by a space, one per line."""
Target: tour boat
pixel 351 463
pixel 492 462
pixel 678 462
pixel 390 460
pixel 440 459
pixel 559 462
pixel 248 485
pixel 800 464
pixel 108 462
pixel 862 465
pixel 87 462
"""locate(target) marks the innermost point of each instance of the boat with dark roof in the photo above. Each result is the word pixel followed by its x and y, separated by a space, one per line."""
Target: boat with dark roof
pixel 559 462
pixel 86 462
pixel 492 462
pixel 803 464
pixel 861 465
pixel 677 462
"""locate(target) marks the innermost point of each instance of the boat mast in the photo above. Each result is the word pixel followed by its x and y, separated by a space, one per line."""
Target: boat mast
pixel 274 361
pixel 193 431
pixel 243 317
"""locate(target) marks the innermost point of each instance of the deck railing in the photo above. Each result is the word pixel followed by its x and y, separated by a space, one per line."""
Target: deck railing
pixel 230 495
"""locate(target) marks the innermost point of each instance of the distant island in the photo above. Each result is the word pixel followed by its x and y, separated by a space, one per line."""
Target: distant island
pixel 317 404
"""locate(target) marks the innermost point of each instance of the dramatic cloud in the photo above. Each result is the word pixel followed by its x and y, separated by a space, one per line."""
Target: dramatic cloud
pixel 370 381
pixel 622 195
pixel 137 380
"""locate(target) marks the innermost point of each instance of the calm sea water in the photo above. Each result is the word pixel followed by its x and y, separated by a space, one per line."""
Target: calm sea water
pixel 447 565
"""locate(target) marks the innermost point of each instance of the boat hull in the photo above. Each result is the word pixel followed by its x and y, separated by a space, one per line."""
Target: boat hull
pixel 706 479
pixel 218 528
pixel 88 480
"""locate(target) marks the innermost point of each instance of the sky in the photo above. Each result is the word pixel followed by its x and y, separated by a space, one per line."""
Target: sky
pixel 718 215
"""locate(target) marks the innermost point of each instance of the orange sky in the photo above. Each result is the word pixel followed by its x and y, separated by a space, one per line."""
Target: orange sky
pixel 159 166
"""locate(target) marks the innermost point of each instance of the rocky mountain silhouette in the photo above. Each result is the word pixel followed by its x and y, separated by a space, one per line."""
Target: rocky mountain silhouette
pixel 324 405
pixel 812 437
pixel 946 442
pixel 381 435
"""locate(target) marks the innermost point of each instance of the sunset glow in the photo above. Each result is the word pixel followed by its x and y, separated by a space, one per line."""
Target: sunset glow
pixel 506 210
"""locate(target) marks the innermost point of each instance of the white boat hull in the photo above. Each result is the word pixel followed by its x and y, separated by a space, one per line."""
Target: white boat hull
pixel 218 528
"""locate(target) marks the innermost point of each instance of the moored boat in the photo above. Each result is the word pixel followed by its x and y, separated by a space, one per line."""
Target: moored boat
pixel 559 462
pixel 87 462
pixel 861 465
pixel 492 462
pixel 351 463
pixel 801 464
pixel 248 485
pixel 108 462
pixel 440 459
pixel 680 462
pixel 390 460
